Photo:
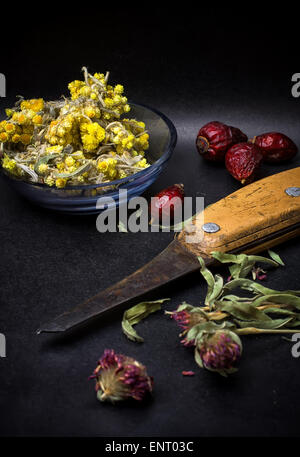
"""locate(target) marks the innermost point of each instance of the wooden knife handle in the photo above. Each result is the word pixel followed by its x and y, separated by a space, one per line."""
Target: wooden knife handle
pixel 267 209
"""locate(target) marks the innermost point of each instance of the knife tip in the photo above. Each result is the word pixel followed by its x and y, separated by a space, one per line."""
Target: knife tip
pixel 49 328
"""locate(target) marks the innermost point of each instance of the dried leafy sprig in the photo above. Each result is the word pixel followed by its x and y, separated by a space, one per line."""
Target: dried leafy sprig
pixel 214 328
pixel 137 313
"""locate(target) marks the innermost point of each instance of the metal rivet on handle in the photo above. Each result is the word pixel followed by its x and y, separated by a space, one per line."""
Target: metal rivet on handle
pixel 210 227
pixel 293 191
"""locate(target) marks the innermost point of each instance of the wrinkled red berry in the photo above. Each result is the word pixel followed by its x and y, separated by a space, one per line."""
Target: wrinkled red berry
pixel 242 161
pixel 215 138
pixel 276 147
pixel 166 202
pixel 238 136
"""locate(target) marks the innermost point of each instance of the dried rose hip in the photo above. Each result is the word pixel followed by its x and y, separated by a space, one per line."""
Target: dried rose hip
pixel 276 147
pixel 215 138
pixel 238 136
pixel 166 202
pixel 242 161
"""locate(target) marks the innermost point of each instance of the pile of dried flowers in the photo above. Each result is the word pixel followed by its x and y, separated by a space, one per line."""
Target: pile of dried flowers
pixel 77 140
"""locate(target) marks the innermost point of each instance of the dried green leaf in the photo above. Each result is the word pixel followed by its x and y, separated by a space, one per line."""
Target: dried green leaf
pixel 197 330
pixel 137 313
pixel 240 270
pixel 278 298
pixel 223 257
pixel 218 287
pixel 295 323
pixel 271 324
pixel 276 257
pixel 242 263
pixel 210 327
pixel 191 309
pixel 209 278
pixel 198 359
pixel 78 171
pixel 185 307
pixel 214 283
pixel 258 258
pixel 236 298
pixel 285 312
pixel 44 160
pixel 29 171
pixel 244 311
pixel 254 287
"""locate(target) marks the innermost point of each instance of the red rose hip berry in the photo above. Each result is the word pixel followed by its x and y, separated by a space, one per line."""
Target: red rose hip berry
pixel 276 147
pixel 166 202
pixel 215 138
pixel 242 161
pixel 238 136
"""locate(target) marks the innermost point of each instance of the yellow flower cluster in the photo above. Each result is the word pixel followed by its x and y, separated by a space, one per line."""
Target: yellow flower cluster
pixel 34 104
pixel 20 127
pixel 9 164
pixel 111 99
pixel 63 131
pixel 54 149
pixel 74 124
pixel 76 140
pixel 142 163
pixel 125 140
pixel 108 168
pixel 91 135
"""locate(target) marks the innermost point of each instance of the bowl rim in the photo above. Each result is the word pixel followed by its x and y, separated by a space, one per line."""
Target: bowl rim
pixel 165 156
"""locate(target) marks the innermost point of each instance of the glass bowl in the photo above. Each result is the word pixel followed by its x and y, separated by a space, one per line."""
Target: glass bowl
pixel 83 199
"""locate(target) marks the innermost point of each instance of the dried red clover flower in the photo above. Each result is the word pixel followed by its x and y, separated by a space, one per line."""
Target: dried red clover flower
pixel 187 343
pixel 258 273
pixel 186 320
pixel 219 351
pixel 119 377
pixel 182 318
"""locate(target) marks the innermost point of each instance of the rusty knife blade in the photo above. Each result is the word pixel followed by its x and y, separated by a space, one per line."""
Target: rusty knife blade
pixel 151 276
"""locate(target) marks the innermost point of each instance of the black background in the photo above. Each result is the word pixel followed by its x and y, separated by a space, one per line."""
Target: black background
pixel 195 66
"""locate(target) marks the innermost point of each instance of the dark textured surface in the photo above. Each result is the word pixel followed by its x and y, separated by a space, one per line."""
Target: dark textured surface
pixel 51 262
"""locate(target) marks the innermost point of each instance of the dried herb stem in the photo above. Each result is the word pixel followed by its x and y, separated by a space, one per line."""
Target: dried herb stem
pixel 253 330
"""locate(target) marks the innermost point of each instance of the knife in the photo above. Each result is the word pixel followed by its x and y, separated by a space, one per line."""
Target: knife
pixel 252 219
